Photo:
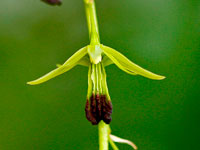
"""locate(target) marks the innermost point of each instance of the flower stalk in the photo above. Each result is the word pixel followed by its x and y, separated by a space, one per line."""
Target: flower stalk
pixel 92 22
pixel 103 135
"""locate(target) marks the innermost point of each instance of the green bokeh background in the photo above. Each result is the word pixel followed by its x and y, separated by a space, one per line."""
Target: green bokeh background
pixel 160 35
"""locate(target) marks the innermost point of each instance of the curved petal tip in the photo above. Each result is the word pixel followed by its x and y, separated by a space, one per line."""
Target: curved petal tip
pixel 32 83
pixel 162 77
pixel 157 77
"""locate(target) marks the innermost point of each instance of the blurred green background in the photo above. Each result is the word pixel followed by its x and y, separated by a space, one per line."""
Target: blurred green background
pixel 160 35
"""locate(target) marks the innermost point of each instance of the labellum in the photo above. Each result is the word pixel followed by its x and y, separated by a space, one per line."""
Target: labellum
pixel 98 105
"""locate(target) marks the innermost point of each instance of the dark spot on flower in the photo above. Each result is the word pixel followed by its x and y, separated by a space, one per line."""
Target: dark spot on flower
pixel 53 2
pixel 89 115
pixel 98 101
pixel 98 108
pixel 107 114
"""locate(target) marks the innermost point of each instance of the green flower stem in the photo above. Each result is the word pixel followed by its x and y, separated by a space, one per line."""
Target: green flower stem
pixel 103 135
pixel 92 22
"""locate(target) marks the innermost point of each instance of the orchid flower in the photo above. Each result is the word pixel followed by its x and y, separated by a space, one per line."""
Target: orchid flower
pixel 98 105
pixel 96 57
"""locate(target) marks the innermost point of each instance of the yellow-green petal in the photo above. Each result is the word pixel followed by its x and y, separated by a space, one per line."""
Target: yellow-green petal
pixel 118 64
pixel 85 61
pixel 128 66
pixel 69 64
pixel 106 61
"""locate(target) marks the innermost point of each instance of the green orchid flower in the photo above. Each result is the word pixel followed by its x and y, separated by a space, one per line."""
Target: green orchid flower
pixel 96 57
pixel 98 105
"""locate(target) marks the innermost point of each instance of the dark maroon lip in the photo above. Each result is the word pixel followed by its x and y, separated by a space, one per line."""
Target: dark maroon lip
pixel 98 108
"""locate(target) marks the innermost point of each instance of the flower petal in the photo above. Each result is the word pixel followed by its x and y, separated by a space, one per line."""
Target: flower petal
pixel 106 61
pixel 128 66
pixel 120 140
pixel 85 61
pixel 119 65
pixel 70 63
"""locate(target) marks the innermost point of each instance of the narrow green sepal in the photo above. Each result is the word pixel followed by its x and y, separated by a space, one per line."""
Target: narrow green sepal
pixel 128 66
pixel 118 64
pixel 85 61
pixel 69 64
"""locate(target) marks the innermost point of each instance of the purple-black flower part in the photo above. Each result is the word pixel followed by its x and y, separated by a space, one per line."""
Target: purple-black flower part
pixel 53 2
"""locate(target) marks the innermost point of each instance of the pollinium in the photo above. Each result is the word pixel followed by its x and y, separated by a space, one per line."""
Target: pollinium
pixel 98 105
